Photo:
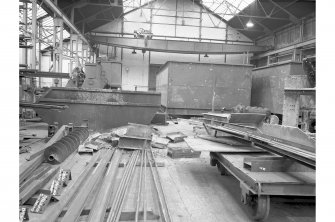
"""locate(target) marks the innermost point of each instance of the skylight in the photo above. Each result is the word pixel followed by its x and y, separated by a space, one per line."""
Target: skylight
pixel 132 4
pixel 227 9
pixel 47 24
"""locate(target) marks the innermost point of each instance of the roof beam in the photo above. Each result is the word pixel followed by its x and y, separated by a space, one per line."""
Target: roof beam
pixel 93 15
pixel 266 29
pixel 177 46
pixel 83 3
pixel 66 20
pixel 291 16
pixel 296 46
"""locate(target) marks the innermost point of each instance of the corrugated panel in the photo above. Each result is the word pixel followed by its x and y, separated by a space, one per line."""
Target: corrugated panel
pixel 288 37
pixel 309 29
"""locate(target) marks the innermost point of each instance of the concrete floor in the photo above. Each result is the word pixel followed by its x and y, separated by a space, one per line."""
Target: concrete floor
pixel 195 191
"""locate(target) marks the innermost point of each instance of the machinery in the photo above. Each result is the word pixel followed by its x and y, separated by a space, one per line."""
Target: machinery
pixel 282 162
pixel 98 99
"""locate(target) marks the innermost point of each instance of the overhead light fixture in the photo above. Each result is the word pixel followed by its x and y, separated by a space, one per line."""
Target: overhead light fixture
pixel 133 52
pixel 206 55
pixel 250 24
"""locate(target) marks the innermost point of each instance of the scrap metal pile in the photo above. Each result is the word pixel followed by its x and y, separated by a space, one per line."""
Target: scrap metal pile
pixel 120 181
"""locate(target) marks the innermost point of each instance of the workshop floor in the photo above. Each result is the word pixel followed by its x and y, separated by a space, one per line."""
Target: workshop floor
pixel 194 190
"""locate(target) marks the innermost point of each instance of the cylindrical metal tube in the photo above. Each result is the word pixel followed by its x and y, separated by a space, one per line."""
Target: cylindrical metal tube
pixel 59 151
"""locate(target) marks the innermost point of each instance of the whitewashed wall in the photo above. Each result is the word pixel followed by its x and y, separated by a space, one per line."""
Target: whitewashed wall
pixel 136 66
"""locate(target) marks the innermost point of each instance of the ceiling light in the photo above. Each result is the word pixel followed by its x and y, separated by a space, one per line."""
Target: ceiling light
pixel 250 24
pixel 206 55
pixel 133 52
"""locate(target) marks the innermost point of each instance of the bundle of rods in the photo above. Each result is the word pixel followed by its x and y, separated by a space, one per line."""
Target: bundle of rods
pixel 124 185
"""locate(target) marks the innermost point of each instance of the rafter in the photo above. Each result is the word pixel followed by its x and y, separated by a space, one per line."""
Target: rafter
pixel 291 16
pixel 266 29
pixel 93 15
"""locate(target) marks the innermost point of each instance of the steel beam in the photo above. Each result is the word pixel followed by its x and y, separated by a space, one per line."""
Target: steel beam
pixel 66 20
pixel 291 16
pixel 78 202
pixel 295 46
pixel 36 73
pixel 174 46
pixel 99 210
pixel 71 193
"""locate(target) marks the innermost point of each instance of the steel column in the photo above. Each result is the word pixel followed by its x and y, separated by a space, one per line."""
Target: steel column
pixel 58 11
pixel 60 49
pixel 39 52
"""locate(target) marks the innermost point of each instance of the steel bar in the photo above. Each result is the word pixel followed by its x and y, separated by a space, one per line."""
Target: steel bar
pixel 41 171
pixel 144 185
pixel 125 187
pixel 29 167
pixel 36 73
pixel 77 204
pixel 139 187
pixel 36 185
pixel 115 211
pixel 159 189
pixel 97 213
pixel 116 197
pixel 73 190
pixel 59 151
pixel 42 106
pixel 175 46
pixel 130 178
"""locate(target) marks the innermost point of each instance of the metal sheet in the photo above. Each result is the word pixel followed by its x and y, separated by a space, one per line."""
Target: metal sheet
pixel 281 140
pixel 268 85
pixel 104 109
pixel 189 87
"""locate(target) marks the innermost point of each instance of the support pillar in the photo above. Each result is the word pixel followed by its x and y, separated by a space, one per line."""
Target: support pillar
pixel 33 50
pixel 39 52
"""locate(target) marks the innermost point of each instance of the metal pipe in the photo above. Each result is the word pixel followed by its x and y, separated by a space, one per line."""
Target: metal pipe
pixel 67 21
pixel 60 150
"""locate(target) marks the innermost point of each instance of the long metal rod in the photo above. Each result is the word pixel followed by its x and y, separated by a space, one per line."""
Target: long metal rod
pixel 73 189
pixel 139 187
pixel 77 204
pixel 122 185
pixel 159 189
pixel 144 190
pixel 130 177
pixel 97 213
